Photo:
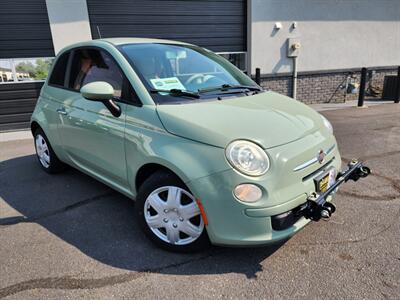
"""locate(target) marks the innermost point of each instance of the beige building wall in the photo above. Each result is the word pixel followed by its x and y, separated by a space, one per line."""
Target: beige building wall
pixel 334 34
pixel 69 22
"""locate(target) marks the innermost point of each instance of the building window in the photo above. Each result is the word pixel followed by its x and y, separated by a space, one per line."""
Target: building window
pixel 6 73
pixel 24 69
pixel 237 58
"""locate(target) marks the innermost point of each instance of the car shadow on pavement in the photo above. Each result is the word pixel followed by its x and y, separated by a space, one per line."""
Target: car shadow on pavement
pixel 99 222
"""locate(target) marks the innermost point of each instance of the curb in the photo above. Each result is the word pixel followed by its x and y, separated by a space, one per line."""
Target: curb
pixel 15 136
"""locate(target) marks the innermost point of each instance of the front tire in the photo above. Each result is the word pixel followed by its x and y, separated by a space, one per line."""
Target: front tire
pixel 169 215
pixel 47 158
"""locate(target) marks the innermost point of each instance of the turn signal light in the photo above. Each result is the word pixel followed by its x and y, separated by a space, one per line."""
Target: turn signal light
pixel 247 192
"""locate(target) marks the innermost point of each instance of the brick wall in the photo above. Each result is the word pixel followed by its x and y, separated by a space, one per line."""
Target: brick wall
pixel 322 87
pixel 279 84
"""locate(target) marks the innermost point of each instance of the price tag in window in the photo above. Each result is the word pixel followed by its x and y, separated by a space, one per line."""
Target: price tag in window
pixel 167 83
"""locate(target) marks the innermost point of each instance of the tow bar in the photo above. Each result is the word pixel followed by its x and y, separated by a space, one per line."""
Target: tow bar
pixel 317 206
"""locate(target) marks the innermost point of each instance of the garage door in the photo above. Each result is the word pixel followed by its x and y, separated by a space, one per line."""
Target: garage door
pixel 24 36
pixel 25 29
pixel 17 102
pixel 219 25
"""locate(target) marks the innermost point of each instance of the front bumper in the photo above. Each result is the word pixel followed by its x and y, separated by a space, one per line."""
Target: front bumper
pixel 317 205
pixel 234 223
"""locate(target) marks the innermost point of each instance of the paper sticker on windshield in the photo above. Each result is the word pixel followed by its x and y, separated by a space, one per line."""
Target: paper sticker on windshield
pixel 167 83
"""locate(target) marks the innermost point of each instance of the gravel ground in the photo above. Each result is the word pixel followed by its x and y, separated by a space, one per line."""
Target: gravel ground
pixel 68 236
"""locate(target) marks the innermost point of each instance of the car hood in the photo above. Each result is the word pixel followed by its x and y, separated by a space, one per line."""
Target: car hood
pixel 268 118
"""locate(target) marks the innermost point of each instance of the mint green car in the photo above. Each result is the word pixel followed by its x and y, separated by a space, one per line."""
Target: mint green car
pixel 206 153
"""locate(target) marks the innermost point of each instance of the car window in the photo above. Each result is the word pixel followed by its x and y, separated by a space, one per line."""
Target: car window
pixel 89 65
pixel 57 76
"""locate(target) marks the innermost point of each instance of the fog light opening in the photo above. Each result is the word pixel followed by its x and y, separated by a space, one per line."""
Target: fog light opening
pixel 247 192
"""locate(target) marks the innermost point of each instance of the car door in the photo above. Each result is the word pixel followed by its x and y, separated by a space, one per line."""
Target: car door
pixel 92 137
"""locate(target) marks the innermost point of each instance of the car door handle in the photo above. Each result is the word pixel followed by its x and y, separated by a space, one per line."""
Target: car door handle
pixel 62 111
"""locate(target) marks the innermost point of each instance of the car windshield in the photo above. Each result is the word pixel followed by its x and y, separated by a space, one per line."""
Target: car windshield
pixel 184 73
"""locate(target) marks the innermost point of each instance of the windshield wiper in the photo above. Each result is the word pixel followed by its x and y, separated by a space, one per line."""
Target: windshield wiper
pixel 226 87
pixel 177 93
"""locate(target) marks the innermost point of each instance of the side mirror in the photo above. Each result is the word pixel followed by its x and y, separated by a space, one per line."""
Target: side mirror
pixel 103 92
pixel 97 91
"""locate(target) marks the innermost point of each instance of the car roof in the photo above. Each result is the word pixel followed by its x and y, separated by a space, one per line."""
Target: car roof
pixel 119 41
pixel 123 41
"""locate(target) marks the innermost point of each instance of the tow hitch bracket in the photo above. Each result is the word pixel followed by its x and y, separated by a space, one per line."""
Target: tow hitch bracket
pixel 317 206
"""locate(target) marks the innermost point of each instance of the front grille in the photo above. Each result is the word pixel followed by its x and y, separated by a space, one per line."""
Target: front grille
pixel 319 170
pixel 312 161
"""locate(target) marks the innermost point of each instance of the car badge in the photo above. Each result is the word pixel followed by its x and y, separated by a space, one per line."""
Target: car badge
pixel 321 156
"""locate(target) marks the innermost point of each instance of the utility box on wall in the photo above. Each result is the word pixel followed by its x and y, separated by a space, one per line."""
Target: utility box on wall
pixel 294 46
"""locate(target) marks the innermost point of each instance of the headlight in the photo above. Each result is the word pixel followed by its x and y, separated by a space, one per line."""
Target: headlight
pixel 247 157
pixel 327 124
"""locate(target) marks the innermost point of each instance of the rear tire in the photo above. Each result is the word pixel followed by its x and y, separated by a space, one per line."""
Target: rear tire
pixel 168 214
pixel 48 160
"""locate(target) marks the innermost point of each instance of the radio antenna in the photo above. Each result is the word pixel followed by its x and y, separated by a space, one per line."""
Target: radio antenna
pixel 98 31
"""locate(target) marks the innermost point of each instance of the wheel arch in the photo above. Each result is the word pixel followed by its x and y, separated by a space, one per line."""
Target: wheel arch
pixel 39 122
pixel 148 169
pixel 34 126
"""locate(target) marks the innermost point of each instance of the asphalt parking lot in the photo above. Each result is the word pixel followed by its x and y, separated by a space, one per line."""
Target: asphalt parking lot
pixel 68 236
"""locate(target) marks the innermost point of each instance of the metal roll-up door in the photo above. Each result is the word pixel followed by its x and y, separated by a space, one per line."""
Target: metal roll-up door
pixel 219 25
pixel 24 29
pixel 24 34
pixel 17 102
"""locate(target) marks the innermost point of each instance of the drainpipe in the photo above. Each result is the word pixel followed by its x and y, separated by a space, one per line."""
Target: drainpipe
pixel 293 51
pixel 294 87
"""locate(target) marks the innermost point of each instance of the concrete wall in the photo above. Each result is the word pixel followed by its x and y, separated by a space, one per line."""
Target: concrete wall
pixel 335 34
pixel 69 22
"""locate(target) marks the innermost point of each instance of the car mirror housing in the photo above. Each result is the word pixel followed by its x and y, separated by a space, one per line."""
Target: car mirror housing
pixel 103 92
pixel 97 91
